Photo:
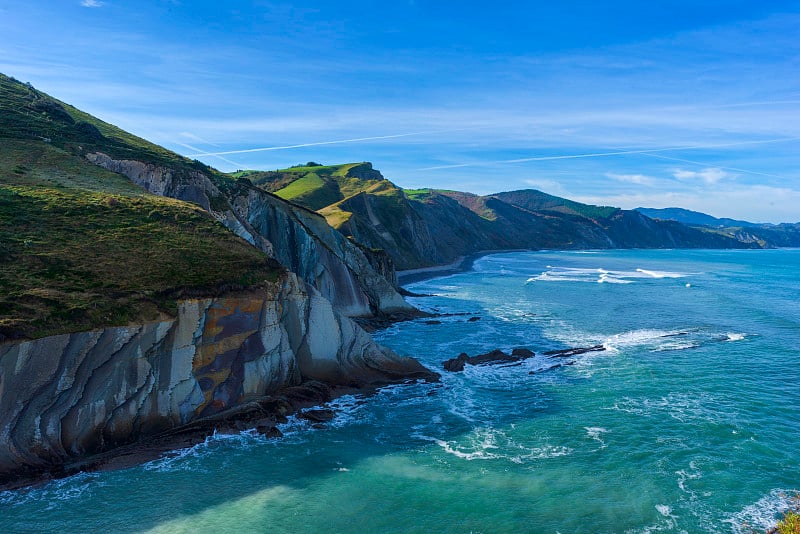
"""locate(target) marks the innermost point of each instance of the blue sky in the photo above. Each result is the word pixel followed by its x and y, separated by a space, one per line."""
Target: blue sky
pixel 682 103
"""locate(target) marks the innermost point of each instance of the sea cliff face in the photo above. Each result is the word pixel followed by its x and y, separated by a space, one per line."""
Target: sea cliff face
pixel 73 395
pixel 299 239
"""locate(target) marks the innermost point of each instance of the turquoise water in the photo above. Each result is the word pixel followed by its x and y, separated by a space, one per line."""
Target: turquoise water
pixel 688 422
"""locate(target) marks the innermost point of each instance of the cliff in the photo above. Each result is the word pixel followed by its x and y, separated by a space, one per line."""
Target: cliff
pixel 144 293
pixel 72 395
pixel 299 239
pixel 426 227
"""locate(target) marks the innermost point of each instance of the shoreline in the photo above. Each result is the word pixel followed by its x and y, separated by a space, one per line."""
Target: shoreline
pixel 262 415
pixel 460 265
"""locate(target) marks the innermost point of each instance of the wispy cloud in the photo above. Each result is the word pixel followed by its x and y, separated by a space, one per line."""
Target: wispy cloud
pixel 734 169
pixel 617 153
pixel 639 179
pixel 710 176
pixel 92 3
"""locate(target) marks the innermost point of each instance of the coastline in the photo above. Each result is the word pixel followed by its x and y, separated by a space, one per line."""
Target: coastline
pixel 460 265
pixel 262 415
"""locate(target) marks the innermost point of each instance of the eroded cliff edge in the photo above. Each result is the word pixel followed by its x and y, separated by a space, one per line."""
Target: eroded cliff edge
pixel 72 395
pixel 301 240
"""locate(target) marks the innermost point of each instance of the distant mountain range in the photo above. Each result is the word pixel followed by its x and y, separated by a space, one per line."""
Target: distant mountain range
pixel 694 218
pixel 425 227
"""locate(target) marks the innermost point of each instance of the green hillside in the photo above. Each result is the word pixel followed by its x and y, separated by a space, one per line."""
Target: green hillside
pixel 423 227
pixel 81 247
pixel 533 200
pixel 322 188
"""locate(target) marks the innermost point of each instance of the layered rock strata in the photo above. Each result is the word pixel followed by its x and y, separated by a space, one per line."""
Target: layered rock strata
pixel 298 238
pixel 73 395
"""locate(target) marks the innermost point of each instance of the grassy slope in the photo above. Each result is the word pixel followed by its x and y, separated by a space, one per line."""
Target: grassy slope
pixel 533 200
pixel 81 247
pixel 322 188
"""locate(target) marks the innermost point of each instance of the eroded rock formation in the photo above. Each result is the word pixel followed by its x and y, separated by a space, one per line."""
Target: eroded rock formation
pixel 298 238
pixel 72 395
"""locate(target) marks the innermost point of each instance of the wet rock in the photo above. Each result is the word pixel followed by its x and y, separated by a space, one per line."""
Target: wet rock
pixel 317 416
pixel 270 431
pixel 310 393
pixel 573 352
pixel 496 356
pixel 557 366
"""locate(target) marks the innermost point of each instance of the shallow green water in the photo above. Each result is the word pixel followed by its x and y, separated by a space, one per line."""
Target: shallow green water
pixel 689 421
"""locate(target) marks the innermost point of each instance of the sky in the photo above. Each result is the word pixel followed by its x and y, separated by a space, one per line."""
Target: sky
pixel 682 103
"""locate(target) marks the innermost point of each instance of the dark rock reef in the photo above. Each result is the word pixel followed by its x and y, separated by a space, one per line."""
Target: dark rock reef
pixel 497 356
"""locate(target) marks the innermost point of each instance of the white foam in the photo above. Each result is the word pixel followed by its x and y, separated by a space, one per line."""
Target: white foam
pixel 191 458
pixel 595 433
pixel 493 444
pixel 53 494
pixel 660 274
pixel 639 337
pixel 684 475
pixel 735 337
pixel 664 510
pixel 600 275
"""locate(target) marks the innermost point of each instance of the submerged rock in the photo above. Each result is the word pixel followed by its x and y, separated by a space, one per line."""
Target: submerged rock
pixel 322 415
pixel 573 352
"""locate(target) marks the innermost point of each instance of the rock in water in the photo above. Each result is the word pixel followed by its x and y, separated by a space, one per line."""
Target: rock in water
pixel 496 356
pixel 563 353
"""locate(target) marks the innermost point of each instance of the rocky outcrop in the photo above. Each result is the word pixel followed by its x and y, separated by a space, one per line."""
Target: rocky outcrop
pixel 73 395
pixel 456 365
pixel 298 238
pixel 497 356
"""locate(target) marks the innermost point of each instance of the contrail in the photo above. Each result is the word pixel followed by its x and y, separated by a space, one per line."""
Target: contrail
pixel 319 143
pixel 605 154
pixel 190 147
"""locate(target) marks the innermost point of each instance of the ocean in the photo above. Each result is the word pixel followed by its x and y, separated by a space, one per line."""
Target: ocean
pixel 689 421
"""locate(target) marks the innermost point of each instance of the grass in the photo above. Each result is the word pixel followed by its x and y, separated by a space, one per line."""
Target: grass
pixel 418 194
pixel 319 187
pixel 310 191
pixel 790 524
pixel 536 200
pixel 28 114
pixel 335 216
pixel 84 248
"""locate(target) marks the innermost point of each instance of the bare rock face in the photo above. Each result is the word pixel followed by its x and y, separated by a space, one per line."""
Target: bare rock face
pixel 299 239
pixel 72 395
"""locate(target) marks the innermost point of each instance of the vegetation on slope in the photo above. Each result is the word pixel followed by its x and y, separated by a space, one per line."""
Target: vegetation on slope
pixel 83 248
pixel 29 114
pixel 533 200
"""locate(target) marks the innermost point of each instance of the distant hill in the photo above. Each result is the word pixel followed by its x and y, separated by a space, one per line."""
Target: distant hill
pixel 763 234
pixel 425 227
pixel 692 217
